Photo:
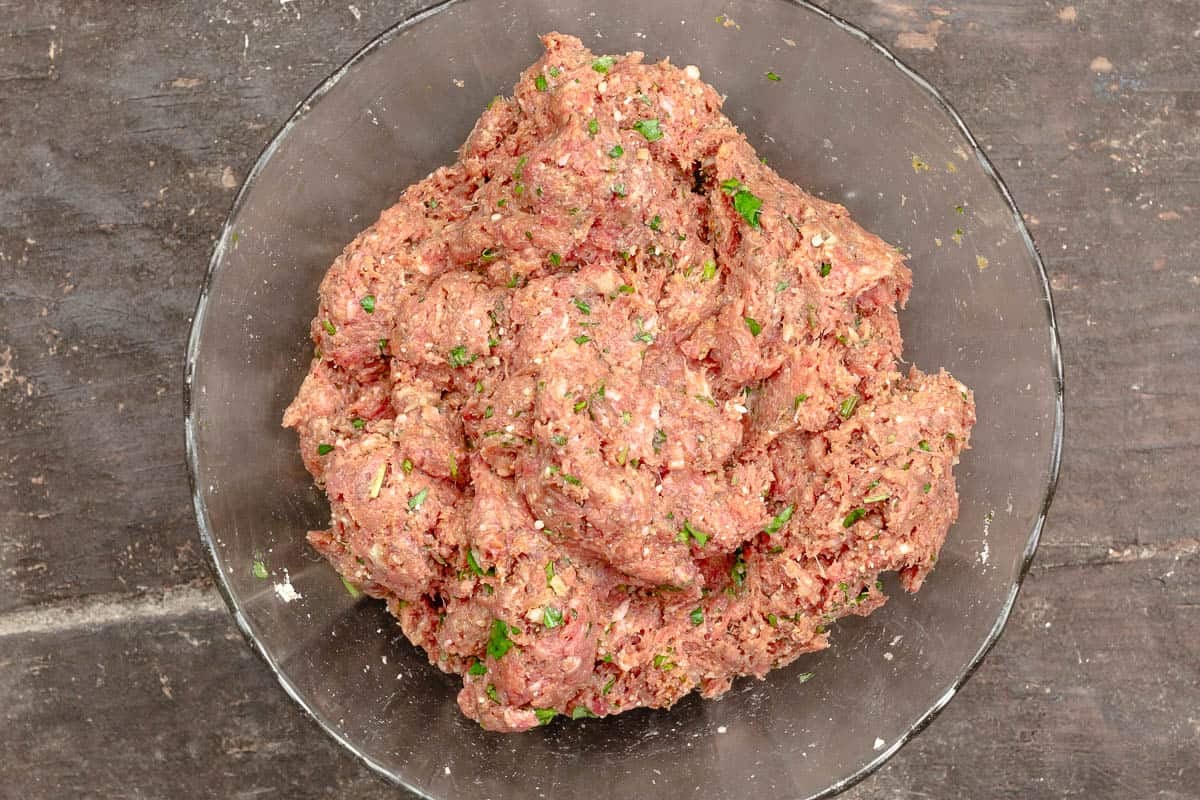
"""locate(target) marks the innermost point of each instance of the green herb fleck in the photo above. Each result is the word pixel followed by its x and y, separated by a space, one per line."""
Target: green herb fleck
pixel 414 502
pixel 781 519
pixel 582 338
pixel 519 170
pixel 825 268
pixel 603 64
pixel 358 423
pixel 351 589
pixel 804 677
pixel 259 569
pixel 616 152
pixel 555 259
pixel 608 686
pixel 926 488
pixel 583 306
pixel 499 642
pixel 593 127
pixel 571 479
pixel 407 466
pixel 697 616
pixel 329 327
pixel 618 189
pixel 581 712
pixel 710 270
pixel 688 532
pixel 800 398
pixel 771 76
pixel 659 439
pixel 453 467
pixel 663 661
pixel 459 357
pixel 477 669
pixel 848 405
pixel 368 304
pixel 488 254
pixel 649 128
pixel 738 571
pixel 877 497
pixel 752 324
pixel 923 445
pixel 625 288
pixel 540 83
pixel 473 564
pixel 558 439
pixel 324 449
pixel 552 617
pixel 489 412
pixel 656 223
pixel 490 691
pixel 853 517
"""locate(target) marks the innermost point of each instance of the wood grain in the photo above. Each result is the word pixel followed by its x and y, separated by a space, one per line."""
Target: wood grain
pixel 124 132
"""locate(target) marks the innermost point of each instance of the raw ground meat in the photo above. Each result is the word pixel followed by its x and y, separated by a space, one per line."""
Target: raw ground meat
pixel 608 411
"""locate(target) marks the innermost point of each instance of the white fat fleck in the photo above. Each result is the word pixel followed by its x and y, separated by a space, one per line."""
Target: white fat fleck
pixel 563 159
pixel 904 548
pixel 692 71
pixel 658 487
pixel 667 106
pixel 538 524
pixel 628 100
pixel 899 419
pixel 383 659
pixel 287 593
pixel 888 656
pixel 721 729
pixel 602 87
pixel 447 770
pixel 817 240
pixel 617 115
pixel 508 428
pixel 497 217
pixel 741 409
pixel 984 553
pixel 879 743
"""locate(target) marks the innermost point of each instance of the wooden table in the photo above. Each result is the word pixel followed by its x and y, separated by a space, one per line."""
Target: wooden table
pixel 125 129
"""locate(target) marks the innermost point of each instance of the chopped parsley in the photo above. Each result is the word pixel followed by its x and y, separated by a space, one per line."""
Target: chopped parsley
pixel 745 202
pixel 581 712
pixel 259 569
pixel 663 661
pixel 552 617
pixel 656 223
pixel 582 338
pixel 415 502
pixel 544 715
pixel 555 259
pixel 625 288
pixel 459 357
pixel 781 519
pixel 593 127
pixel 616 152
pixel 804 677
pixel 853 517
pixel 659 439
pixel 848 405
pixel 407 466
pixel 478 668
pixel 520 168
pixel 825 268
pixel 580 405
pixel 649 128
pixel 926 488
pixel 583 306
pixel 618 189
pixel 453 467
pixel 499 642
pixel 488 254
pixel 603 64
pixel 738 571
pixel 923 445
pixel 358 423
pixel 571 479
pixel 368 304
pixel 329 327
pixel 383 347
pixel 490 691
pixel 324 449
pixel 800 398
pixel 540 83
pixel 473 564
pixel 351 589
pixel 710 270
pixel 687 532
pixel 877 497
pixel 608 686
pixel 558 439
pixel 753 325
pixel 697 616
pixel 771 76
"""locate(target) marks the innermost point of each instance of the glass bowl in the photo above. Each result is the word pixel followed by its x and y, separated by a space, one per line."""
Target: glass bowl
pixel 846 121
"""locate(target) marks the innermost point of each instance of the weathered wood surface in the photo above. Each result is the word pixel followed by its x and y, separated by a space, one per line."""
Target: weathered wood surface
pixel 125 129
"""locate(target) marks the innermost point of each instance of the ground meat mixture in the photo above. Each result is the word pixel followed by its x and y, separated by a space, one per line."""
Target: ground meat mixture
pixel 608 411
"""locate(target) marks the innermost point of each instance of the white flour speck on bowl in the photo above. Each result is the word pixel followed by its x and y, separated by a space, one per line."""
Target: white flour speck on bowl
pixel 287 593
